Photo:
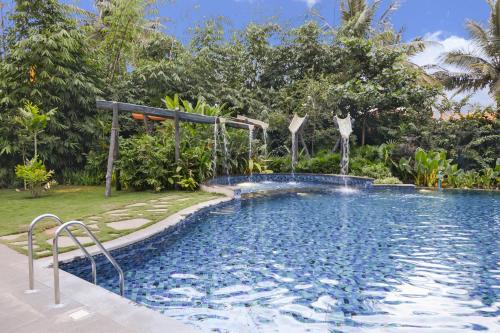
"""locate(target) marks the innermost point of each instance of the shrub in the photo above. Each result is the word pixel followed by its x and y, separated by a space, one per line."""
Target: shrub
pixel 36 176
pixel 387 181
pixel 377 171
pixel 367 152
pixel 146 163
pixel 489 177
pixel 280 163
pixel 323 163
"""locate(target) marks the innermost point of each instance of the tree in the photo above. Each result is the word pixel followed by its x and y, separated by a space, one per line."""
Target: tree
pixel 481 67
pixel 34 122
pixel 49 63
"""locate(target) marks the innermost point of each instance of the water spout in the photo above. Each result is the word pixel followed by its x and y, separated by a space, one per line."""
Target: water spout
pixel 345 129
pixel 294 127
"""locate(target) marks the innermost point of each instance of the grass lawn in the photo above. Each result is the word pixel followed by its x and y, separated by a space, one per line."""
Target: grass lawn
pixel 87 204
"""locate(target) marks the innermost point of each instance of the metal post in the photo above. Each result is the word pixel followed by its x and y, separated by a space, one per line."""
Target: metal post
pixel 146 125
pixel 111 154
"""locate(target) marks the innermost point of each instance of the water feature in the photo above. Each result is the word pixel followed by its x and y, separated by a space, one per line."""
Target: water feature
pixel 294 152
pixel 225 147
pixel 373 261
pixel 250 152
pixel 250 141
pixel 345 129
pixel 264 134
pixel 214 157
pixel 294 127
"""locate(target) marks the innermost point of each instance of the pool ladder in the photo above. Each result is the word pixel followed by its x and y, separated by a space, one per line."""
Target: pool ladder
pixel 55 253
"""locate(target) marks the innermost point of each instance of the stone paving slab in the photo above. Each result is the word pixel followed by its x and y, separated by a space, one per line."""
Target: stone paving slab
pixel 128 224
pixel 10 237
pixel 65 241
pixel 139 204
pixel 158 210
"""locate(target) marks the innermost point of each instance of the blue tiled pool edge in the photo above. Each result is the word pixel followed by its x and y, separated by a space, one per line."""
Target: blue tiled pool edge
pixel 356 181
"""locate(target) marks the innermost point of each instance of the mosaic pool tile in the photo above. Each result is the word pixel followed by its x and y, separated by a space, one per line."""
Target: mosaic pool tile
pixel 329 261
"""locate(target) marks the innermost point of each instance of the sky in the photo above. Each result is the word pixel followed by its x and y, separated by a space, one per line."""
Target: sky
pixel 417 17
pixel 441 21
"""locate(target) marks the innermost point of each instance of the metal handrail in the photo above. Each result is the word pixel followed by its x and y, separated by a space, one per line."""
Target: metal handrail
pixel 55 255
pixel 30 248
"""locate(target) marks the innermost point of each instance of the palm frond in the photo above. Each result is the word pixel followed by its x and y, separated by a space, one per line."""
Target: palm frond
pixel 461 81
pixel 365 18
pixel 480 38
pixel 465 60
pixel 391 9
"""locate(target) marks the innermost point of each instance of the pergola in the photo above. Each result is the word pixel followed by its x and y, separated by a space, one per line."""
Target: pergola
pixel 162 114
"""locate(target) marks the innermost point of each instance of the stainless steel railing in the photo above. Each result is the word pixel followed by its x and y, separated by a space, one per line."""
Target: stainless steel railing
pixel 55 255
pixel 30 248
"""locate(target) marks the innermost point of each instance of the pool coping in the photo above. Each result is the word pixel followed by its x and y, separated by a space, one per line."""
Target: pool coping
pixel 138 235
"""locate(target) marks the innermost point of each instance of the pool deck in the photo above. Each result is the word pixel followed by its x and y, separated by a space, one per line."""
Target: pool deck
pixel 85 307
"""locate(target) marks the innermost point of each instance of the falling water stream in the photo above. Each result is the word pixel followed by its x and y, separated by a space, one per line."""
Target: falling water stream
pixel 250 139
pixel 264 130
pixel 294 151
pixel 225 145
pixel 214 157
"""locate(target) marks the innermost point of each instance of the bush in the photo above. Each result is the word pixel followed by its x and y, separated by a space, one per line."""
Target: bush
pixel 36 177
pixel 387 181
pixel 366 152
pixel 323 163
pixel 281 164
pixel 377 171
pixel 146 163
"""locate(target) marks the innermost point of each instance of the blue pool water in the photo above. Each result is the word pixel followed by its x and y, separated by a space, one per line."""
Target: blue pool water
pixel 326 261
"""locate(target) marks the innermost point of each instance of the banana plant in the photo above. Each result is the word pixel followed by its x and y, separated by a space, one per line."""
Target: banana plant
pixel 427 166
pixel 172 103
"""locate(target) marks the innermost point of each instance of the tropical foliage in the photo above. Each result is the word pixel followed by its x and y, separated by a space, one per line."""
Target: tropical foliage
pixel 59 57
pixel 481 65
pixel 36 177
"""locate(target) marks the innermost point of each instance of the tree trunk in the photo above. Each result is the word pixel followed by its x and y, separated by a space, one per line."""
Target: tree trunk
pixel 36 144
pixel 363 132
pixel 111 154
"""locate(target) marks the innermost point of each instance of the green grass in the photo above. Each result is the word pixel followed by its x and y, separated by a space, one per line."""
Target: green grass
pixel 18 209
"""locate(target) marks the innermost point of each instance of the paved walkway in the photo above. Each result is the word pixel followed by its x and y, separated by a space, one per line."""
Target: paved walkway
pixel 86 308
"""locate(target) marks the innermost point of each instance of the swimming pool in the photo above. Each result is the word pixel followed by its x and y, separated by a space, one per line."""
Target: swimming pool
pixel 324 261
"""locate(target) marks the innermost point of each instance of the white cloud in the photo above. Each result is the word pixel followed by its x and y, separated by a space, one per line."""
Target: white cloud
pixel 310 3
pixel 437 47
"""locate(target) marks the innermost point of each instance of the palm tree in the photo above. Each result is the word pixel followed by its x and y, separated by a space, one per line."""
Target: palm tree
pixel 480 68
pixel 357 17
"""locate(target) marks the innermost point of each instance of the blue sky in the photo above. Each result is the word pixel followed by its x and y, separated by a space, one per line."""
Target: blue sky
pixel 417 17
pixel 441 21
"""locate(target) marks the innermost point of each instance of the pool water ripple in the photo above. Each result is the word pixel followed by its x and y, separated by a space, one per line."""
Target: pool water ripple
pixel 373 261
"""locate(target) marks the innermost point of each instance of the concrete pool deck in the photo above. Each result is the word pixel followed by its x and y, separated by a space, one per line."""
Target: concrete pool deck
pixel 85 307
